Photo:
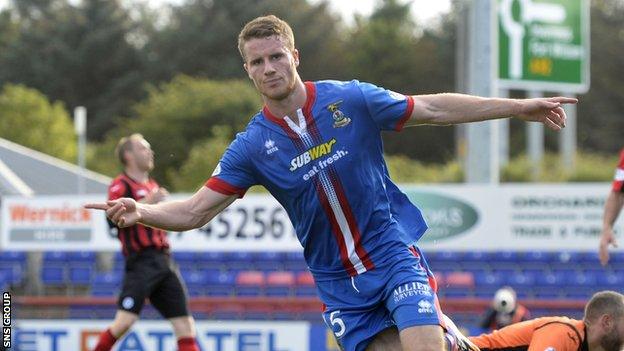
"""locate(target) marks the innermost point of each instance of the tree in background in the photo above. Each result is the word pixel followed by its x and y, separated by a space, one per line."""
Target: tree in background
pixel 391 50
pixel 200 38
pixel 80 55
pixel 28 118
pixel 601 110
pixel 201 161
pixel 179 114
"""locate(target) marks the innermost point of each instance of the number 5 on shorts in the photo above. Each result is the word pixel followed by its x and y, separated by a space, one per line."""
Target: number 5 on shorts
pixel 336 321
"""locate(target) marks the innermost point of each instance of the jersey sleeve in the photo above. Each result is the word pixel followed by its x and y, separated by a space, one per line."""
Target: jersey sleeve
pixel 234 173
pixel 618 177
pixel 555 337
pixel 117 189
pixel 389 110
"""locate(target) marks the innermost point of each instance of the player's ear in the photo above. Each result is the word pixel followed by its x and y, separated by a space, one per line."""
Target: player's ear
pixel 247 70
pixel 295 54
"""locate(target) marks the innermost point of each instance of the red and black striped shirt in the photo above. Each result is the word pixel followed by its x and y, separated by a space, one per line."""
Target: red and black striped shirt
pixel 138 237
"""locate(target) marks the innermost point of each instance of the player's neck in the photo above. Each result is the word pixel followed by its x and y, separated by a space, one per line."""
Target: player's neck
pixel 593 339
pixel 290 104
pixel 137 175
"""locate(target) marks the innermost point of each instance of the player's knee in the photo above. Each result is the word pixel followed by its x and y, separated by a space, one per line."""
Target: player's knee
pixel 183 326
pixel 423 338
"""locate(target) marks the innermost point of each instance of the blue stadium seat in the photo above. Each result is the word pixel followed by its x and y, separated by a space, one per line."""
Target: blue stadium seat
pixel 294 261
pixel 476 256
pixel 106 284
pixel 520 279
pixel 444 256
pixel 551 280
pixel 610 281
pixel 13 257
pixel 535 257
pixel 186 260
pixel 546 293
pixel 506 256
pixel 489 279
pixel 577 280
pixel 580 293
pixel 59 257
pixel 211 260
pixel 220 283
pixel 195 282
pixel 195 278
pixel 12 273
pixel 81 258
pixel 184 257
pixel 53 274
pixel 111 279
pixel 616 258
pixel 269 260
pixel 80 275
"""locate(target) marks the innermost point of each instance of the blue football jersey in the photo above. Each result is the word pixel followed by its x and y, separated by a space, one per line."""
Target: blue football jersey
pixel 329 173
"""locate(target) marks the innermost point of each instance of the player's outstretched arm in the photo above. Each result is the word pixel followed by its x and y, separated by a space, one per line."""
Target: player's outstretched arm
pixel 448 108
pixel 182 215
pixel 612 209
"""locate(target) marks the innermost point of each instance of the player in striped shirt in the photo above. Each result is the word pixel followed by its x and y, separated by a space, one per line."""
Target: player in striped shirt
pixel 149 271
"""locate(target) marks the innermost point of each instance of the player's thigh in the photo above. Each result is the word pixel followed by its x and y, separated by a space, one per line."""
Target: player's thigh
pixel 169 297
pixel 387 340
pixel 355 310
pixel 422 338
pixel 139 279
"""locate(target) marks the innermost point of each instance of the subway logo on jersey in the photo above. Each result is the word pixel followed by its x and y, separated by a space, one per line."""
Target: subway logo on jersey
pixel 312 154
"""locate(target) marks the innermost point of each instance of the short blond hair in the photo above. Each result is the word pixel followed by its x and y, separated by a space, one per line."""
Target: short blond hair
pixel 604 302
pixel 263 27
pixel 125 144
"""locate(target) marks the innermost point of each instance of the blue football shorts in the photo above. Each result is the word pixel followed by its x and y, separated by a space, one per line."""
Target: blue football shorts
pixel 400 292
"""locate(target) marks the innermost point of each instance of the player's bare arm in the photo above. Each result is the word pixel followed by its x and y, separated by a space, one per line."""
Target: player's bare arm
pixel 450 108
pixel 181 215
pixel 613 206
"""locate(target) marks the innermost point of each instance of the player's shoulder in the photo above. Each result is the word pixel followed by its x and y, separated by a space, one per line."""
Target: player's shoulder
pixel 561 326
pixel 337 86
pixel 120 179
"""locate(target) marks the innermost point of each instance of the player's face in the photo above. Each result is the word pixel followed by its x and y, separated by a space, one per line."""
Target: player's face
pixel 143 155
pixel 271 66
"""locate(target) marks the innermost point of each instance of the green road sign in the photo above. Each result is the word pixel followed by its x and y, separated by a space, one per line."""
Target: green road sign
pixel 543 45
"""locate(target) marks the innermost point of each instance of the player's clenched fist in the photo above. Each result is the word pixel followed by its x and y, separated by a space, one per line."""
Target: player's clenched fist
pixel 123 211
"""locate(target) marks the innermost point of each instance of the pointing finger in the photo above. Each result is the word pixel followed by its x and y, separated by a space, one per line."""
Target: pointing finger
pixel 96 206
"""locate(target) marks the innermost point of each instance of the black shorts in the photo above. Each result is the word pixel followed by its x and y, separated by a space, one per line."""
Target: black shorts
pixel 152 274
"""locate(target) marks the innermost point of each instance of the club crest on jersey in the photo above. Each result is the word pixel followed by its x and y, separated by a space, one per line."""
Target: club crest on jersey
pixel 340 120
pixel 270 146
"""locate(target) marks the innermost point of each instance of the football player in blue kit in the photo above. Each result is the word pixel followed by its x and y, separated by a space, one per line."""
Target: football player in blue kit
pixel 317 148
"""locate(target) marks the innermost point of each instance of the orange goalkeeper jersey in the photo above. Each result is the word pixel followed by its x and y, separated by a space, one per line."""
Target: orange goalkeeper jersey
pixel 540 334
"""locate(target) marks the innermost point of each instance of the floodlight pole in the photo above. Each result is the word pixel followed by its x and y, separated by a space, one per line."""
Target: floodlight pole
pixel 80 126
pixel 482 164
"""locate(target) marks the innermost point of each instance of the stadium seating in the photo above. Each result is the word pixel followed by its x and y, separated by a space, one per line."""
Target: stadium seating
pixel 472 274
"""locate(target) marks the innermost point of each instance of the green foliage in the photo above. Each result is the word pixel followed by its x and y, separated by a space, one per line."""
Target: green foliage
pixel 405 170
pixel 588 168
pixel 178 115
pixel 80 55
pixel 200 38
pixel 28 118
pixel 202 160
